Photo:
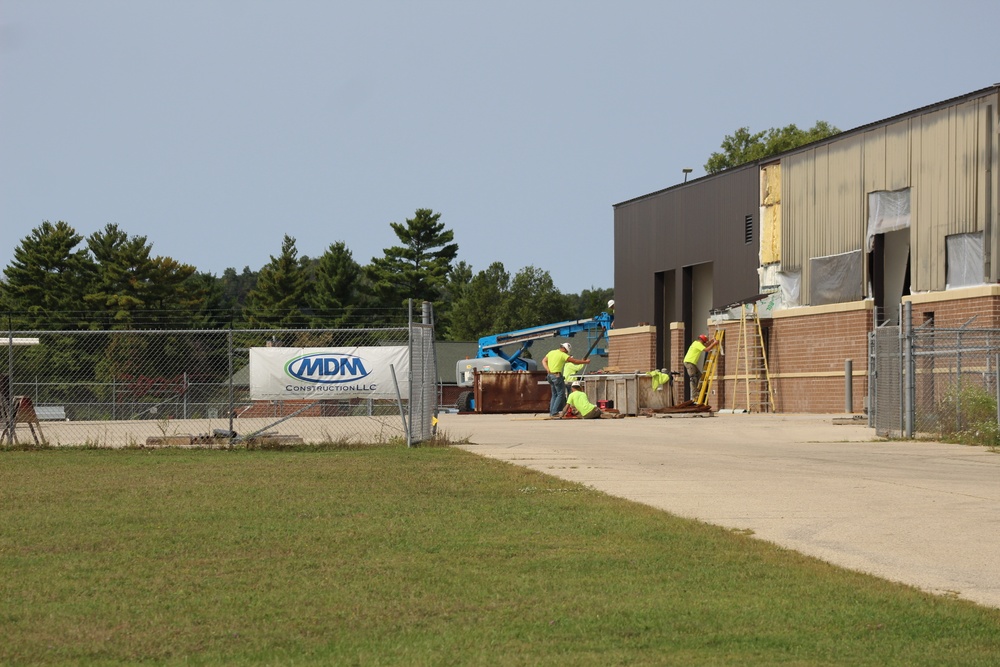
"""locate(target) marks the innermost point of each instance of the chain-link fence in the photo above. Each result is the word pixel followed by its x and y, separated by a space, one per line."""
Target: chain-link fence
pixel 955 380
pixel 885 383
pixel 194 387
pixel 935 382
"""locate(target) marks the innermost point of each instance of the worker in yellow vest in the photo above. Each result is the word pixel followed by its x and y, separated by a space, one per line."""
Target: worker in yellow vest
pixel 554 362
pixel 693 358
pixel 579 403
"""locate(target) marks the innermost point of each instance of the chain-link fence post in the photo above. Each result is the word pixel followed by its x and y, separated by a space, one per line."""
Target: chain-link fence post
pixel 7 385
pixel 909 370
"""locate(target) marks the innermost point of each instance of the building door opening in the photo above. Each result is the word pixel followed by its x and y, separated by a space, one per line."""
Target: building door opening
pixel 665 314
pixel 890 274
pixel 697 293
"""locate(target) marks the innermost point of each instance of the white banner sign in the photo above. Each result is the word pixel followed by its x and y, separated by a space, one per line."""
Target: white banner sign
pixel 313 373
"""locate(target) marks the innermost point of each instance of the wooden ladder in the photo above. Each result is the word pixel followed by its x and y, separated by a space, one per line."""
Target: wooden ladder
pixel 752 373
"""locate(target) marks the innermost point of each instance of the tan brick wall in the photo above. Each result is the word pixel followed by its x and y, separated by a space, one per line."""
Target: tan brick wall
pixel 807 357
pixel 632 349
pixel 721 395
pixel 676 361
pixel 952 314
pixel 677 349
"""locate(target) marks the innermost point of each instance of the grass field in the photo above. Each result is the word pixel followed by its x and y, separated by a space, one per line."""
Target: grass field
pixel 427 556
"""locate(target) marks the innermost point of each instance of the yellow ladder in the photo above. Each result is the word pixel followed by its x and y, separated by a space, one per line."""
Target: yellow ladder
pixel 708 374
pixel 751 366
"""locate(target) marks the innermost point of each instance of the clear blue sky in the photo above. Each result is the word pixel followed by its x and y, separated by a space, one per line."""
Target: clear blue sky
pixel 214 127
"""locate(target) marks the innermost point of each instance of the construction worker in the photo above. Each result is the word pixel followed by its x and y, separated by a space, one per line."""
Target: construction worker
pixel 693 358
pixel 571 372
pixel 581 405
pixel 554 362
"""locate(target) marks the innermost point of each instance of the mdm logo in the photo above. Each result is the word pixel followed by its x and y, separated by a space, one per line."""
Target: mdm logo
pixel 326 368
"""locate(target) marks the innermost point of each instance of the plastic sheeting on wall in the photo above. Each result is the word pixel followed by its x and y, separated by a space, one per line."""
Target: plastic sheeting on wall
pixel 790 285
pixel 835 278
pixel 887 212
pixel 965 260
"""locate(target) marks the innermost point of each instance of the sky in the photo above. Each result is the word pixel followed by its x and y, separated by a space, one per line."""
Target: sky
pixel 216 127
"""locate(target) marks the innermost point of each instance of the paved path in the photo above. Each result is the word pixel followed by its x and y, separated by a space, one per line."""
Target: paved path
pixel 925 514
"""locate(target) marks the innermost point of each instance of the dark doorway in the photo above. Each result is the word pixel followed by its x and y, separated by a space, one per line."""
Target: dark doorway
pixel 889 266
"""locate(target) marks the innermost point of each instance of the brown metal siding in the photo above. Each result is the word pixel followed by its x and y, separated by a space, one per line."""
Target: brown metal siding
pixel 694 223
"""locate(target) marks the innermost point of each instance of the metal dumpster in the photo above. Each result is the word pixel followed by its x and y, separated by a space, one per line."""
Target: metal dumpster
pixel 511 392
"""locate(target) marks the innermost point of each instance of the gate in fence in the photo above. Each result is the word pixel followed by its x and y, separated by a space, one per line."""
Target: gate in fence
pixel 934 382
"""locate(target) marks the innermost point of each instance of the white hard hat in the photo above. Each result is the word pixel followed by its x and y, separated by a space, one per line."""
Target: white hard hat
pixel 567 347
pixel 577 384
pixel 611 303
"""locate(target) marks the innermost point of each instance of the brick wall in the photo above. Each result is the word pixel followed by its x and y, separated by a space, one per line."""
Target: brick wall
pixel 676 361
pixel 953 308
pixel 807 348
pixel 807 353
pixel 677 348
pixel 632 349
pixel 720 396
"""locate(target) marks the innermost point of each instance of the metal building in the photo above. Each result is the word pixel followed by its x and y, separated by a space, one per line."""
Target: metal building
pixel 685 251
pixel 838 234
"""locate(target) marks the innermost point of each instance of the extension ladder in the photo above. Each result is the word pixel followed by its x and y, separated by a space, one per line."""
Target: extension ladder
pixel 708 374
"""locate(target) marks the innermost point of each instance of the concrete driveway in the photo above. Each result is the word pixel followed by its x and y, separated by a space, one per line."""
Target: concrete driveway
pixel 924 514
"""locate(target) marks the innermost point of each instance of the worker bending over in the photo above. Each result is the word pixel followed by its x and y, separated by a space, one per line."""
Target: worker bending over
pixel 579 403
pixel 554 362
pixel 693 358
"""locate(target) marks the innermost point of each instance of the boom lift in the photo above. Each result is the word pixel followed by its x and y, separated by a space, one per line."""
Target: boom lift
pixel 492 357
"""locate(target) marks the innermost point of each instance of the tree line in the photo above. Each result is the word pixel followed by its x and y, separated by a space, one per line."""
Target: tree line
pixel 60 280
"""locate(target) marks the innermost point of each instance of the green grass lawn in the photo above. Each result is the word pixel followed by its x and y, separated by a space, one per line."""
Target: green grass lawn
pixel 427 556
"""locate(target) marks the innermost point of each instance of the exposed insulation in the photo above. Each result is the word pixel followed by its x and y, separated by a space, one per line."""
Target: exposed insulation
pixel 771 185
pixel 770 242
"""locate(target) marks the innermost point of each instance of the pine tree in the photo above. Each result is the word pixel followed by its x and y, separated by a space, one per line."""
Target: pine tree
pixel 334 296
pixel 278 298
pixel 125 275
pixel 419 268
pixel 46 281
pixel 180 295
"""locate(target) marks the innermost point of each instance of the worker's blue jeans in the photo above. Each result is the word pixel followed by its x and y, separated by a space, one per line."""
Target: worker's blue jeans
pixel 558 401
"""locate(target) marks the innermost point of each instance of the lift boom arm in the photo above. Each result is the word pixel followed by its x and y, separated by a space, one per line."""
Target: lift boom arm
pixel 492 346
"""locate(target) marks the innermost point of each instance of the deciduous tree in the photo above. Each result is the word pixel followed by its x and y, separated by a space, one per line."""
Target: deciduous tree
pixel 589 302
pixel 236 286
pixel 533 300
pixel 479 310
pixel 742 146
